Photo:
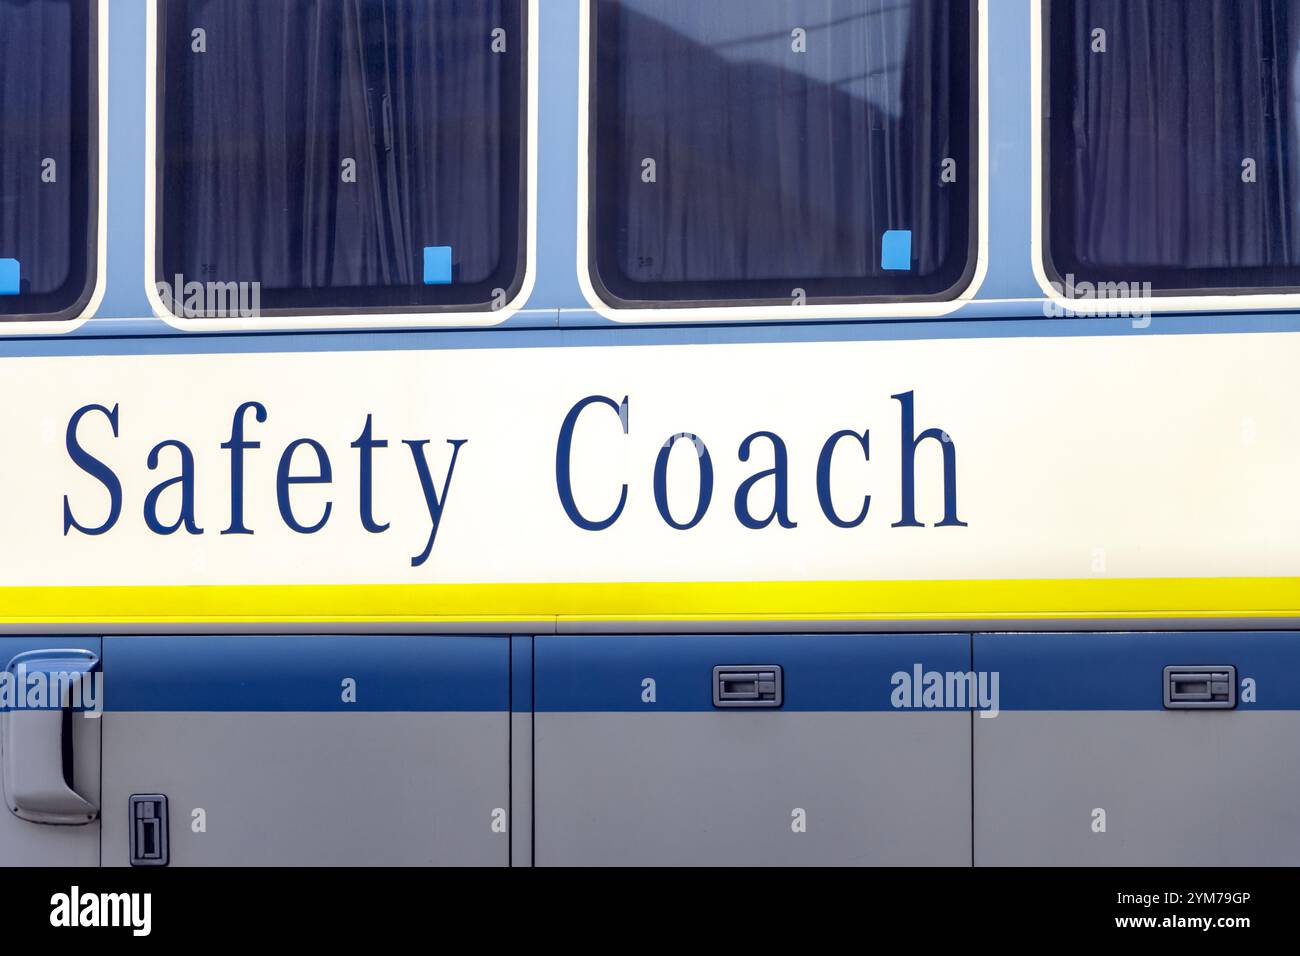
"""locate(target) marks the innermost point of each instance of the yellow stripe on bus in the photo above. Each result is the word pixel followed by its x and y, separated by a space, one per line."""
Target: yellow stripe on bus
pixel 709 601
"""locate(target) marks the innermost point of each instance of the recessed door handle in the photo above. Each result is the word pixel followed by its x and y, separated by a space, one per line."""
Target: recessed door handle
pixel 149 831
pixel 748 685
pixel 38 741
pixel 1201 687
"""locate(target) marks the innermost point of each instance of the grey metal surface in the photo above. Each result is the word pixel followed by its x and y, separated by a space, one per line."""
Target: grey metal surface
pixel 314 789
pixel 521 790
pixel 35 844
pixel 723 788
pixel 1179 788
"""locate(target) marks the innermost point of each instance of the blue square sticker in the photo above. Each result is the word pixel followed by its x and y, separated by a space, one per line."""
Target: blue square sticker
pixel 10 277
pixel 437 265
pixel 896 250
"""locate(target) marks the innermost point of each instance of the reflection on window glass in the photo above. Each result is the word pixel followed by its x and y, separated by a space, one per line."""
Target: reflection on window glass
pixel 47 158
pixel 342 155
pixel 753 150
pixel 1172 144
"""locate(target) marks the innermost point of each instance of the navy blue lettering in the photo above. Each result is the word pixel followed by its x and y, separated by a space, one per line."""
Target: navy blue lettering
pixel 563 453
pixel 237 446
pixel 780 472
pixel 910 443
pixel 185 479
pixel 96 469
pixel 365 445
pixel 432 499
pixel 661 482
pixel 284 479
pixel 824 478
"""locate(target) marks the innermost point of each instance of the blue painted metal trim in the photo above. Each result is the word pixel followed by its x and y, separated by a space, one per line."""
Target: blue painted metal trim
pixel 1049 672
pixel 13 647
pixel 606 336
pixel 521 675
pixel 1082 672
pixel 1059 672
pixel 306 674
pixel 822 672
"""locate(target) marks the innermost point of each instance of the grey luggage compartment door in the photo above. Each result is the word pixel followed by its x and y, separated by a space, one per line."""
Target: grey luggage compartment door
pixel 25 843
pixel 634 764
pixel 291 766
pixel 1084 739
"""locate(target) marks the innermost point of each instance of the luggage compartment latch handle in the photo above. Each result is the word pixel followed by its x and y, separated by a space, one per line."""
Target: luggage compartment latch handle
pixel 747 685
pixel 1201 687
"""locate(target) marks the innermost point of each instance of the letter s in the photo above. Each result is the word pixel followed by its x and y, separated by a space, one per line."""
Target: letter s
pixel 96 469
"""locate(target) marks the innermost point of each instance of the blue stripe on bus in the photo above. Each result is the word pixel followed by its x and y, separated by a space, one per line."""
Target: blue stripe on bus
pixel 1126 671
pixel 302 673
pixel 821 672
pixel 521 675
pixel 1050 671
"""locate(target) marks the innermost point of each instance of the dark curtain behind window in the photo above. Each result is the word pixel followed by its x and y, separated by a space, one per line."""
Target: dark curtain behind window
pixel 1150 136
pixel 775 164
pixel 258 126
pixel 36 119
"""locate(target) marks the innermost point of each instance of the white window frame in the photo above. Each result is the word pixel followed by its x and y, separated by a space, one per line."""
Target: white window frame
pixel 341 320
pixel 63 326
pixel 1130 305
pixel 667 313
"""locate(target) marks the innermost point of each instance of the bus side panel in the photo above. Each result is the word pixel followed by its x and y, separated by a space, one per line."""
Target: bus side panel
pixel 316 751
pixel 1085 766
pixel 636 766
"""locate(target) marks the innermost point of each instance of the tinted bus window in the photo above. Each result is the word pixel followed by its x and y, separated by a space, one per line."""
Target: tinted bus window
pixel 743 149
pixel 344 156
pixel 1171 148
pixel 48 157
